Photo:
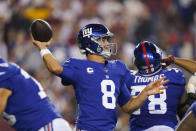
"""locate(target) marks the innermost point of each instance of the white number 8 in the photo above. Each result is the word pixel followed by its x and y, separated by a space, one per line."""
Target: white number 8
pixel 158 101
pixel 108 94
pixel 153 101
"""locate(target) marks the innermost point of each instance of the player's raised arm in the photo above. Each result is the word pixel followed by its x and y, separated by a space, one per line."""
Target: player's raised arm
pixel 41 35
pixel 153 88
pixel 4 95
pixel 49 60
pixel 189 65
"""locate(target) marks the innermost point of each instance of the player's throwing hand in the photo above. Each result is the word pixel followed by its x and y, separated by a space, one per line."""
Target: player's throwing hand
pixel 41 45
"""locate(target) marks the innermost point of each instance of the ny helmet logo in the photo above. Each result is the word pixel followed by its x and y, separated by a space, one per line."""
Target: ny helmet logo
pixel 87 32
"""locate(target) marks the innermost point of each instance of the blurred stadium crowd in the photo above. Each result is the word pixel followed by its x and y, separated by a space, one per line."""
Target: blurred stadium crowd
pixel 169 23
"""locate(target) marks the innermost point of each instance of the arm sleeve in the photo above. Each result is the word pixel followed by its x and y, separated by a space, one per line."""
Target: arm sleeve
pixel 67 75
pixel 176 77
pixel 126 75
pixel 182 82
pixel 124 96
pixel 127 79
pixel 6 84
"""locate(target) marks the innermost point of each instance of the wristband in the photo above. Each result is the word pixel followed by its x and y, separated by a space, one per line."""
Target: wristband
pixel 44 52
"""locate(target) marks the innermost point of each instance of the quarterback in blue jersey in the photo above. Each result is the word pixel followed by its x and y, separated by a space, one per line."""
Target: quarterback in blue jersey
pixel 23 102
pixel 159 111
pixel 98 83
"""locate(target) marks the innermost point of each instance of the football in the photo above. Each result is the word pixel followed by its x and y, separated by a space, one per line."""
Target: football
pixel 41 30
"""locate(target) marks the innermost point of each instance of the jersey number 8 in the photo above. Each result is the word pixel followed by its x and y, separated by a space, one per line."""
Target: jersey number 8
pixel 107 94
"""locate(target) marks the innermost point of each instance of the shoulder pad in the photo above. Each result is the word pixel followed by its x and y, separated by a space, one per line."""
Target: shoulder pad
pixel 176 70
pixel 119 63
pixel 71 61
pixel 7 70
pixel 175 75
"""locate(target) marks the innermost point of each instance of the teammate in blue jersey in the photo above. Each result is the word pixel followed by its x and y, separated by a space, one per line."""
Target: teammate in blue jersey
pixel 188 122
pixel 23 102
pixel 98 83
pixel 159 111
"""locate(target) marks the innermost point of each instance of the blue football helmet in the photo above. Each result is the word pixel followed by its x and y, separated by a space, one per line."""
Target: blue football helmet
pixel 88 38
pixel 147 58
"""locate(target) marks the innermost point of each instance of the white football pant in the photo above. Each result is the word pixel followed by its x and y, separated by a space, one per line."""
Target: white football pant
pixel 160 128
pixel 57 124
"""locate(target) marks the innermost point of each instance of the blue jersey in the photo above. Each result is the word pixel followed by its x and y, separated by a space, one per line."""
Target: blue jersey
pixel 28 108
pixel 98 87
pixel 160 109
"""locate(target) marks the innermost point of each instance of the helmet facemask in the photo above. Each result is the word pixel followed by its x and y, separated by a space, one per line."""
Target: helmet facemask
pixel 106 49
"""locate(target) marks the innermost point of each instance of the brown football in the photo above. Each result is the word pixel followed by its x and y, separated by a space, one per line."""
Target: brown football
pixel 41 30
